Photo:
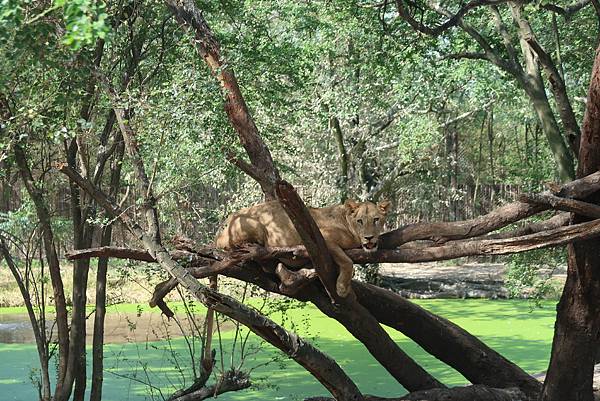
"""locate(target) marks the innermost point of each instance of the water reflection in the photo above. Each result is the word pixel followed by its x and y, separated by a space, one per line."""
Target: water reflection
pixel 15 328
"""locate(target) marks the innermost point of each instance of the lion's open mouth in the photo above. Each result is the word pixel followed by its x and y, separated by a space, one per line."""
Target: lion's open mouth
pixel 370 246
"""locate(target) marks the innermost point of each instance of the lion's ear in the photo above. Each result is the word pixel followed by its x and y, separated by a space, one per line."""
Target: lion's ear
pixel 350 205
pixel 384 206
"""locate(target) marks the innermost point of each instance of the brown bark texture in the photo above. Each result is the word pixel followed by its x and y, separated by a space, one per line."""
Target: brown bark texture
pixel 262 169
pixel 577 329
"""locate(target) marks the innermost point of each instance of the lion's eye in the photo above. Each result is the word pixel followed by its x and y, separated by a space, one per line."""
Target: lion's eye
pixel 376 220
pixel 359 221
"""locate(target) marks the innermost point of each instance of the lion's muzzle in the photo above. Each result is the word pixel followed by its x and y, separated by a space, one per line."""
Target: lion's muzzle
pixel 370 246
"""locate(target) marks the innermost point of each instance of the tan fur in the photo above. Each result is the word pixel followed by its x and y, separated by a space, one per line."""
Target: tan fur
pixel 346 226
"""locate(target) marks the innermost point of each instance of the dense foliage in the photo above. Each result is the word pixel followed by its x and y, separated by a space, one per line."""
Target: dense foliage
pixel 305 69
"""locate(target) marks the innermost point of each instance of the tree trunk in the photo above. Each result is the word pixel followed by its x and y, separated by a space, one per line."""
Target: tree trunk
pixel 98 338
pixel 336 130
pixel 60 304
pixel 531 81
pixel 82 238
pixel 577 329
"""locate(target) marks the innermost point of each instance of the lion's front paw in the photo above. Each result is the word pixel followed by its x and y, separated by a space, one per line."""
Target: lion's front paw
pixel 342 289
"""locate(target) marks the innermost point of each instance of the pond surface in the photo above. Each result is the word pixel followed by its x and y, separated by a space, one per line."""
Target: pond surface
pixel 119 327
pixel 513 328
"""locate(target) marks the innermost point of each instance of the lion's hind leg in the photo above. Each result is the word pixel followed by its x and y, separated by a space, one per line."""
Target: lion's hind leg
pixel 242 229
pixel 292 281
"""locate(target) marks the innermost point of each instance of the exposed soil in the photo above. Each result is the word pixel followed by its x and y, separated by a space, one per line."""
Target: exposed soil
pixel 442 280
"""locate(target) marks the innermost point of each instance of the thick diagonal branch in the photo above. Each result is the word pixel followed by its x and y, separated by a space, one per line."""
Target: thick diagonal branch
pixel 558 203
pixel 190 17
pixel 468 393
pixel 311 237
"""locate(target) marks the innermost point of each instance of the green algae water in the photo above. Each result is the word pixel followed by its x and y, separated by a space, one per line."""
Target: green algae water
pixel 519 332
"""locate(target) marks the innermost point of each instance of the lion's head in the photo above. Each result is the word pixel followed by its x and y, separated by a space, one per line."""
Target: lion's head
pixel 366 221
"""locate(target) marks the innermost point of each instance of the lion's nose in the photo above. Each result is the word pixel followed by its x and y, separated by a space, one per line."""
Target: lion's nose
pixel 369 238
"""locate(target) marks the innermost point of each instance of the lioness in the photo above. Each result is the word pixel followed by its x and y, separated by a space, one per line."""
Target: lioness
pixel 346 226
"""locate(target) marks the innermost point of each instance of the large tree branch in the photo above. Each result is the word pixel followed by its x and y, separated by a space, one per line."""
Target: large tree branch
pixel 365 327
pixel 492 221
pixel 468 393
pixel 457 249
pixel 311 237
pixel 561 219
pixel 566 12
pixel 188 16
pixel 496 219
pixel 558 203
pixel 445 340
pixel 580 188
pixel 452 21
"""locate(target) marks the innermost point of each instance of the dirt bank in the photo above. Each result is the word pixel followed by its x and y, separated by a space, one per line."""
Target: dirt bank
pixel 444 280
